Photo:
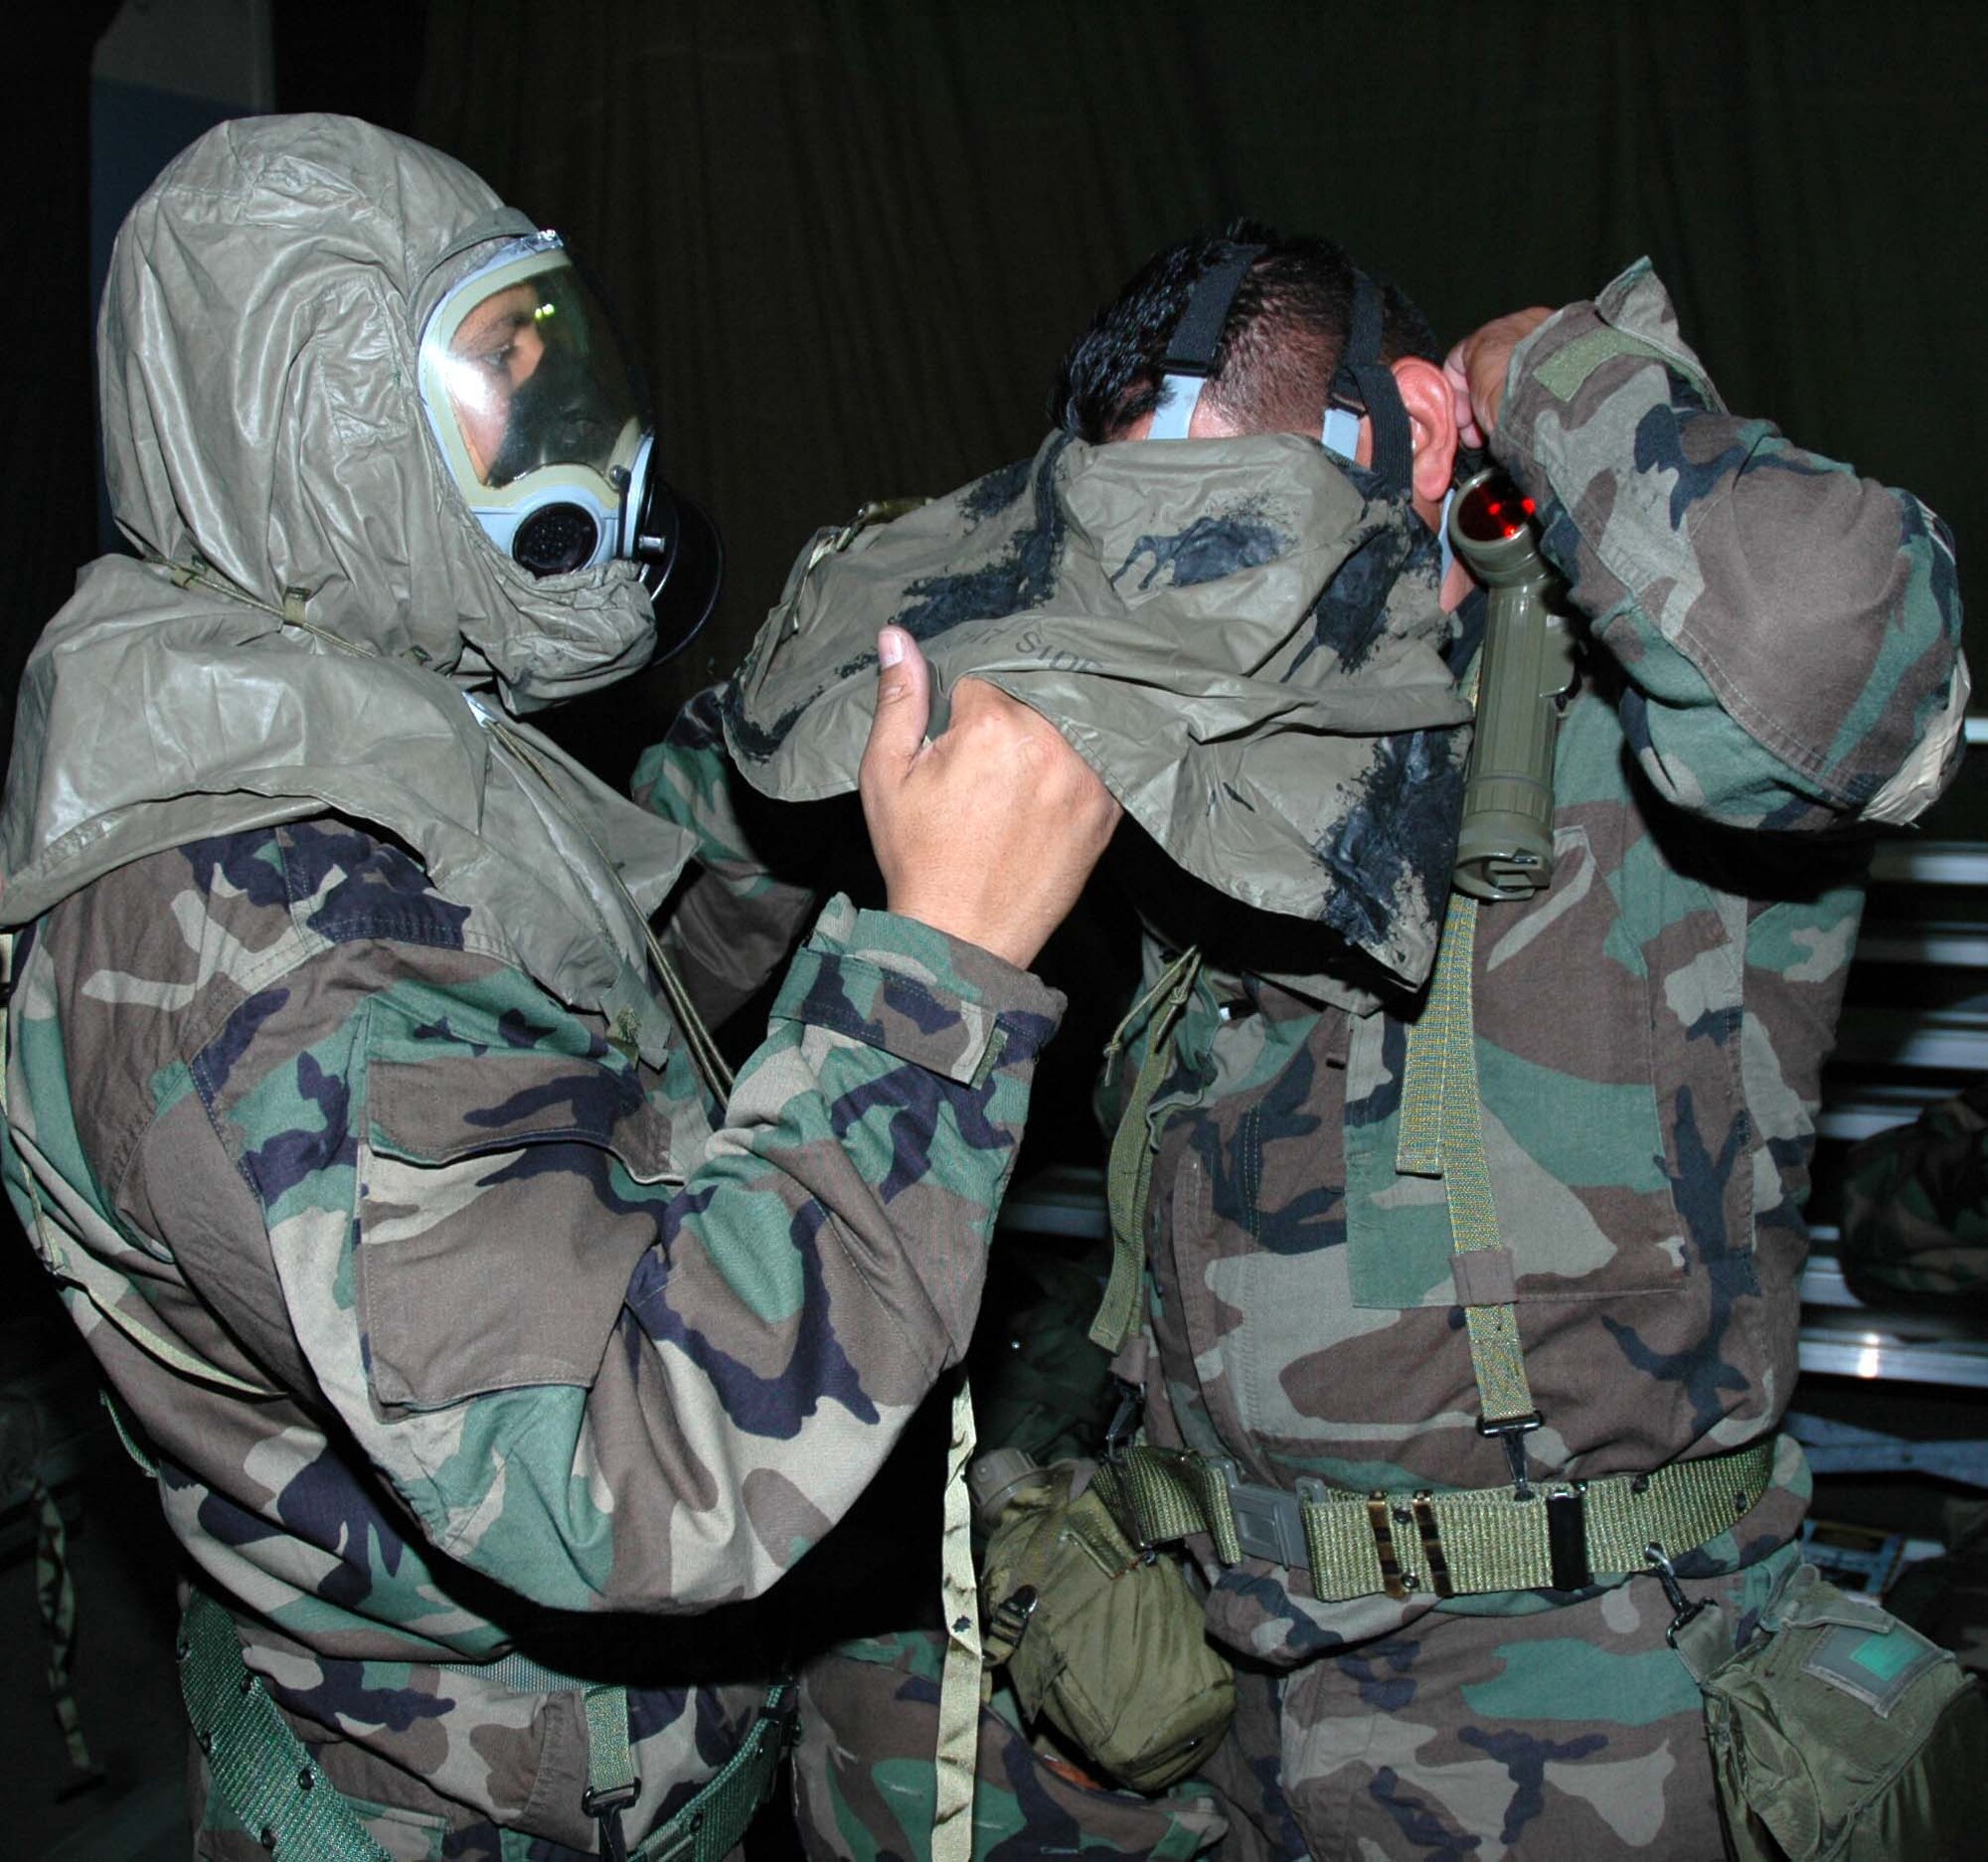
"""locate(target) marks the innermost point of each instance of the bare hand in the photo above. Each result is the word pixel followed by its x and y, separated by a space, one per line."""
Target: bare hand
pixel 1476 367
pixel 989 832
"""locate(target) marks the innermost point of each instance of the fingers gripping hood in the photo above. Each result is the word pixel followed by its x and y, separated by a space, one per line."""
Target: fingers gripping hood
pixel 258 357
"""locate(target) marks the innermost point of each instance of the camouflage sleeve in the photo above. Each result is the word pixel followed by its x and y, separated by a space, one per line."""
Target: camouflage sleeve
pixel 1789 630
pixel 600 1383
pixel 735 919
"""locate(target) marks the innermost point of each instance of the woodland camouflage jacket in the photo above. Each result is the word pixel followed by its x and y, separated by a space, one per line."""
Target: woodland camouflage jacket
pixel 540 1349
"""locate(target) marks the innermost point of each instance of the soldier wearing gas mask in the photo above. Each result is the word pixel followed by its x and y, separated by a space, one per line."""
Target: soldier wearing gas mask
pixel 1457 1249
pixel 491 1346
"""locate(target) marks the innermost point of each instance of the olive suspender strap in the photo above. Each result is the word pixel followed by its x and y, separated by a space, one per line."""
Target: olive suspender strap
pixel 1129 1178
pixel 1442 1135
pixel 611 1783
pixel 714 1821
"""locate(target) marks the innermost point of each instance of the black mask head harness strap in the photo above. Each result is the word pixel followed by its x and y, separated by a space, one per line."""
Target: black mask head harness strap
pixel 1197 340
pixel 1362 384
pixel 1365 385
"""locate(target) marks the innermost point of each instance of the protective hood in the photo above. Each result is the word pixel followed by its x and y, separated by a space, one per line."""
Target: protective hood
pixel 1242 639
pixel 258 355
pixel 317 606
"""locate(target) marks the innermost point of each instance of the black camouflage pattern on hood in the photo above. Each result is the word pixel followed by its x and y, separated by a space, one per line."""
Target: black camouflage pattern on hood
pixel 1242 639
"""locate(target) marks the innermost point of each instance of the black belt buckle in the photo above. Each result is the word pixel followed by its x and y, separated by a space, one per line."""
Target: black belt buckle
pixel 605 1807
pixel 598 1804
pixel 1566 1539
pixel 1511 1434
pixel 784 1715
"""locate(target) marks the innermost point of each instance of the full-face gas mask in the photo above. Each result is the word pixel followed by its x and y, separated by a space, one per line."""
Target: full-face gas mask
pixel 548 437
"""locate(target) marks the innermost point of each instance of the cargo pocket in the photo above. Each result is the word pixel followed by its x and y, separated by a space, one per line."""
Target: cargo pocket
pixel 504 1200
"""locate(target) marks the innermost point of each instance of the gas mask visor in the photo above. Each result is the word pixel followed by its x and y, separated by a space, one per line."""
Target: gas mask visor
pixel 546 431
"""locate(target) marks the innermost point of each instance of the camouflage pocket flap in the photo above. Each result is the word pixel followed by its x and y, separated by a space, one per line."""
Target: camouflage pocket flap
pixel 455 1106
pixel 501 1213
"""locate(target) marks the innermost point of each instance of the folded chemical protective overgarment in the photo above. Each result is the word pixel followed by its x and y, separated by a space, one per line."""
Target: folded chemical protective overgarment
pixel 1242 639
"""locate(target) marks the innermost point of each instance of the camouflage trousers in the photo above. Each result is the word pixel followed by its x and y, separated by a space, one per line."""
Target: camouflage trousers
pixel 1571 1734
pixel 864 1780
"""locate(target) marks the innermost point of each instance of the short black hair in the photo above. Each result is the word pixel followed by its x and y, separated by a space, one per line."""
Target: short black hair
pixel 1286 331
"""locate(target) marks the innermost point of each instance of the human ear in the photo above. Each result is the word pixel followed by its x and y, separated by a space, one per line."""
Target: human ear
pixel 1432 410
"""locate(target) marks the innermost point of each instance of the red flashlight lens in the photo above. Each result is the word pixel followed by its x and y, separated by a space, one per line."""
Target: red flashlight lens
pixel 1492 513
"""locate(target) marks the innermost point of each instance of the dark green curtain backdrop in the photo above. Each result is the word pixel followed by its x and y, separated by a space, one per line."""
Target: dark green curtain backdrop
pixel 852 236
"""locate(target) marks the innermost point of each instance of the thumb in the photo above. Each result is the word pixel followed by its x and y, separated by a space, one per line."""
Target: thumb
pixel 903 701
pixel 1457 373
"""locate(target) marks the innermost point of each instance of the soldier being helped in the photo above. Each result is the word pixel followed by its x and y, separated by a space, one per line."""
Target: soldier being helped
pixel 1457 1239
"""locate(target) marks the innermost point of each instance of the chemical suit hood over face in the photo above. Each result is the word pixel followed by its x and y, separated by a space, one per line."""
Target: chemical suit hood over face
pixel 317 622
pixel 1240 639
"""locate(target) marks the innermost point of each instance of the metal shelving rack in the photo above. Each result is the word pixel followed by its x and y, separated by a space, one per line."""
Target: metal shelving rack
pixel 1914 1029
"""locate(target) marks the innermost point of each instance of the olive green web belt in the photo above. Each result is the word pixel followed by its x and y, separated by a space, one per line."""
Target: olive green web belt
pixel 1560 1535
pixel 266 1774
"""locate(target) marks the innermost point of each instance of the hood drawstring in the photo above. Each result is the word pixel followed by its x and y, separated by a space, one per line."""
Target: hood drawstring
pixel 199 573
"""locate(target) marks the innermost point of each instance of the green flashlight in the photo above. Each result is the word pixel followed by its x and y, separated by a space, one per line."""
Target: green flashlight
pixel 1526 669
